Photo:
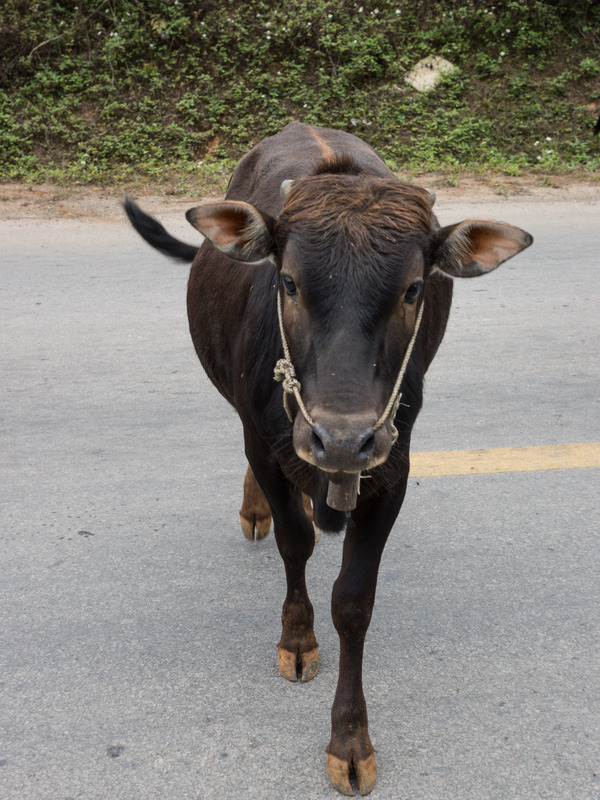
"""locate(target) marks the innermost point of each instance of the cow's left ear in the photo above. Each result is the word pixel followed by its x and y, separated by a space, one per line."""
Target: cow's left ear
pixel 477 246
pixel 237 229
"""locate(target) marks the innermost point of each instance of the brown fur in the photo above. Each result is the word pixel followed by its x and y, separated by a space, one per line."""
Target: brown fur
pixel 356 204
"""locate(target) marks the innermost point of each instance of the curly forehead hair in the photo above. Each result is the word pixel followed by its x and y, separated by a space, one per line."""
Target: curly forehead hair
pixel 341 198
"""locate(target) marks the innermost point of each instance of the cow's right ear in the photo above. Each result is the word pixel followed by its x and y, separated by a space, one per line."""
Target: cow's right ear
pixel 237 229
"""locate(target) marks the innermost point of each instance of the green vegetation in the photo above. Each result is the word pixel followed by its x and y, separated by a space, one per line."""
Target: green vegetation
pixel 123 89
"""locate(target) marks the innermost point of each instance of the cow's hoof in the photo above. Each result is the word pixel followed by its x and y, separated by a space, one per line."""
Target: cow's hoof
pixel 309 663
pixel 339 774
pixel 291 670
pixel 255 528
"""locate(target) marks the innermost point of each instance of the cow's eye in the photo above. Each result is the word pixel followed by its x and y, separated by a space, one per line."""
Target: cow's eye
pixel 288 284
pixel 413 291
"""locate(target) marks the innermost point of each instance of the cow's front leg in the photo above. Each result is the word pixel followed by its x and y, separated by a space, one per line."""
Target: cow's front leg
pixel 298 652
pixel 351 606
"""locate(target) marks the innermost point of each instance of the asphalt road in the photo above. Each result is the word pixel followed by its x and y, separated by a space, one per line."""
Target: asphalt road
pixel 138 627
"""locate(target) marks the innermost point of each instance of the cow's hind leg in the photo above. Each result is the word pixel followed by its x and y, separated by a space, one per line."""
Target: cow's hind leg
pixel 298 652
pixel 255 513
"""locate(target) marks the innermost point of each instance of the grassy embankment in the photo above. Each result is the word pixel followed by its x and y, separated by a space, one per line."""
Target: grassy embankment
pixel 142 90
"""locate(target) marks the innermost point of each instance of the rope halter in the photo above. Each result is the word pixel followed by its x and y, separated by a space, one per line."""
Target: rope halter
pixel 286 374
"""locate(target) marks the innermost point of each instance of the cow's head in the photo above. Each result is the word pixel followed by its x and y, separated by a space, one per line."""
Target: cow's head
pixel 354 254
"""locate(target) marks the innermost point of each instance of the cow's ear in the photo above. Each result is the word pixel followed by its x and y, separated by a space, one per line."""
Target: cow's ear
pixel 477 246
pixel 238 229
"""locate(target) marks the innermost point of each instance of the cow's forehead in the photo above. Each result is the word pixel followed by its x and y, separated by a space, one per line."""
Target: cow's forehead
pixel 343 254
pixel 364 250
pixel 358 203
pixel 350 220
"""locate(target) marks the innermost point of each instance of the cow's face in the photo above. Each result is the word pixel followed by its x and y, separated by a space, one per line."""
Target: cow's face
pixel 354 255
pixel 353 266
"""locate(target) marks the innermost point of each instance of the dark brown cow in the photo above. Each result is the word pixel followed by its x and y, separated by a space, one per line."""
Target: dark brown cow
pixel 315 221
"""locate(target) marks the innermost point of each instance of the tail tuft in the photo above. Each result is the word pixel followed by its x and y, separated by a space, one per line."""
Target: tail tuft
pixel 153 232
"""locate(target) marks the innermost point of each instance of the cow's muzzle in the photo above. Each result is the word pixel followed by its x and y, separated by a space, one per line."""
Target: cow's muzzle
pixel 342 442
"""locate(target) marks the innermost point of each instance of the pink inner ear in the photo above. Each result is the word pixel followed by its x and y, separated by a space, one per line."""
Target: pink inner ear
pixel 489 247
pixel 224 227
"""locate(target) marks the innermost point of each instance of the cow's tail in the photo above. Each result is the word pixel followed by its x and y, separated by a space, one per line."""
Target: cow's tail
pixel 153 232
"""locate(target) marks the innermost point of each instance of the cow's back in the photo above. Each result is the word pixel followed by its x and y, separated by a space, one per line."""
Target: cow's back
pixel 294 153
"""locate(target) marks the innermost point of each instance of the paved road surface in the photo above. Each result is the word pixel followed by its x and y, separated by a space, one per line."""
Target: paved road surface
pixel 138 627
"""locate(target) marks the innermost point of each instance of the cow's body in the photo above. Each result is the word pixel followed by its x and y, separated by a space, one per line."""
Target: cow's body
pixel 353 254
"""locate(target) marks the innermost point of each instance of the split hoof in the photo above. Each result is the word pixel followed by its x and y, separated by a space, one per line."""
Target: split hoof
pixel 293 667
pixel 309 664
pixel 255 529
pixel 365 771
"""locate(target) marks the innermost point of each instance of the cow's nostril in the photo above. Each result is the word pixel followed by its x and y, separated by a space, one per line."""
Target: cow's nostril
pixel 317 443
pixel 368 446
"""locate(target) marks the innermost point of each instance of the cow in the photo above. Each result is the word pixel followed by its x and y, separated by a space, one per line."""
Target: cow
pixel 316 304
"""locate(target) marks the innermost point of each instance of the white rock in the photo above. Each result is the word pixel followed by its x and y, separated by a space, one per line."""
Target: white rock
pixel 427 72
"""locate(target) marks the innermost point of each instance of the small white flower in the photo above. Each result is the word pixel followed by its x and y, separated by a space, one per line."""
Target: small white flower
pixel 502 53
pixel 398 11
pixel 537 142
pixel 548 138
pixel 360 10
pixel 508 30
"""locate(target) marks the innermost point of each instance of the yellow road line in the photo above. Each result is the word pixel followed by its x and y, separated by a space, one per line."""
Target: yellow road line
pixel 504 459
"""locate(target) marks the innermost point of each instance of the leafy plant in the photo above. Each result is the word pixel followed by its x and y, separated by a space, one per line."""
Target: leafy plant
pixel 105 89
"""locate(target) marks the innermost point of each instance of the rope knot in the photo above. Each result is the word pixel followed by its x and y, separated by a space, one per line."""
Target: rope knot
pixel 285 373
